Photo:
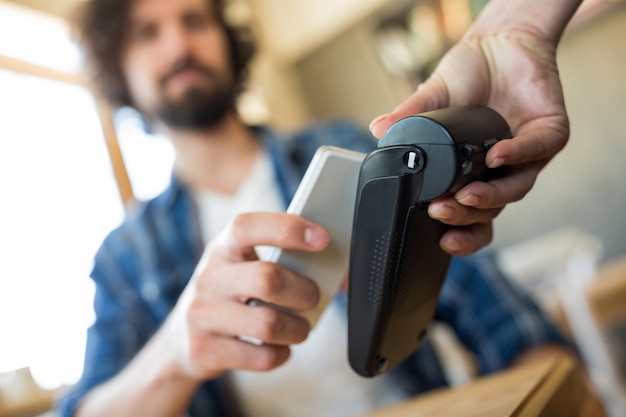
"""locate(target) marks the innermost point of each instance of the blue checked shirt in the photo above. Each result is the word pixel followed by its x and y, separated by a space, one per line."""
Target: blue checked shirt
pixel 143 266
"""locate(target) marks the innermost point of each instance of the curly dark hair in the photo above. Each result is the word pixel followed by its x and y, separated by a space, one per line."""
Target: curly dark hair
pixel 100 27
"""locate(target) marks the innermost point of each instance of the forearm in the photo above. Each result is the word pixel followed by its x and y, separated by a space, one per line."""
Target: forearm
pixel 546 19
pixel 151 385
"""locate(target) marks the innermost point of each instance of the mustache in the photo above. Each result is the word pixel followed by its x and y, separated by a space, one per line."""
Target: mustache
pixel 187 64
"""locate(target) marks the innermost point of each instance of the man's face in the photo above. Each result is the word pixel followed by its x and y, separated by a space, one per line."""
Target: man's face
pixel 177 64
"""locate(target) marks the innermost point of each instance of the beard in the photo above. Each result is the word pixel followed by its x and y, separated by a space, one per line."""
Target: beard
pixel 199 107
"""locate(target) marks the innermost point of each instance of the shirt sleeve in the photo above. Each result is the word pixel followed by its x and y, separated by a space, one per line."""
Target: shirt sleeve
pixel 119 331
pixel 492 317
pixel 139 273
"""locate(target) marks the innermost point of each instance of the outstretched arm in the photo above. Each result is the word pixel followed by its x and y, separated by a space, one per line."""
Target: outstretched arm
pixel 505 60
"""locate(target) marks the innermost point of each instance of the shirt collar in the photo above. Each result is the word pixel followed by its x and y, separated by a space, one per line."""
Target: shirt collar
pixel 285 170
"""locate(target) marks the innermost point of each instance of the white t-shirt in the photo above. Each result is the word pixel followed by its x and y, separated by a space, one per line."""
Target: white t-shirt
pixel 257 193
pixel 317 379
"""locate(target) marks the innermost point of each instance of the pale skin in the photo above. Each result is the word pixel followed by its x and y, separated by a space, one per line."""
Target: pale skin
pixel 199 340
pixel 506 60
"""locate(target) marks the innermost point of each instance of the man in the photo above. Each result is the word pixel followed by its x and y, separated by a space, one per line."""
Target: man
pixel 170 310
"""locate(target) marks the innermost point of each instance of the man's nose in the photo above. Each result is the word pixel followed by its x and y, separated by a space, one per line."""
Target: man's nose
pixel 175 43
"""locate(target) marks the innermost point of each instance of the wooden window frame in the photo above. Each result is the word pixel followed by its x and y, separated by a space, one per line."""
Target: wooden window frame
pixel 104 111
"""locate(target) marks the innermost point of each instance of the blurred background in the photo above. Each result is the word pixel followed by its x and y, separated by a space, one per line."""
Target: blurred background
pixel 69 166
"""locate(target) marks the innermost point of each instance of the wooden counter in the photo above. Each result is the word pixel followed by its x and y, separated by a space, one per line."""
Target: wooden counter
pixel 607 292
pixel 22 397
pixel 553 387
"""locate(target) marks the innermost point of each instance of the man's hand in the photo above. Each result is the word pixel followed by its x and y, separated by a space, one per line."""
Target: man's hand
pixel 213 312
pixel 515 73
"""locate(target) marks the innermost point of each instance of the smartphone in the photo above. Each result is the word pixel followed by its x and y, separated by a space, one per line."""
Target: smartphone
pixel 326 195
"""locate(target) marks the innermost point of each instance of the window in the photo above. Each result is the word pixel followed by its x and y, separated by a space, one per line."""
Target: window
pixel 148 175
pixel 59 200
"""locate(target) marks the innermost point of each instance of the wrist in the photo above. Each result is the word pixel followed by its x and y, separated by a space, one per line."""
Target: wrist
pixel 151 384
pixel 533 19
pixel 174 347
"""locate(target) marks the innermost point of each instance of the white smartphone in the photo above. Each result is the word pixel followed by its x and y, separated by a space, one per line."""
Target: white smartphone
pixel 326 195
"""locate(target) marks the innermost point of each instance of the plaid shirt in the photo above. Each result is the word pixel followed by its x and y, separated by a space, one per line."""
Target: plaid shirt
pixel 143 266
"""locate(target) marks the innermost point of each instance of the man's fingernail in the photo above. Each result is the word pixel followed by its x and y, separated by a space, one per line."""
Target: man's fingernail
pixel 315 237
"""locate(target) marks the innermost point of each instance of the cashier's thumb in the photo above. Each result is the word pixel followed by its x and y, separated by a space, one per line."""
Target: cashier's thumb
pixel 429 95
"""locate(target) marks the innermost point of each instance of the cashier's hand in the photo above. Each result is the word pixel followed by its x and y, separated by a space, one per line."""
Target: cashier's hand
pixel 212 312
pixel 516 74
